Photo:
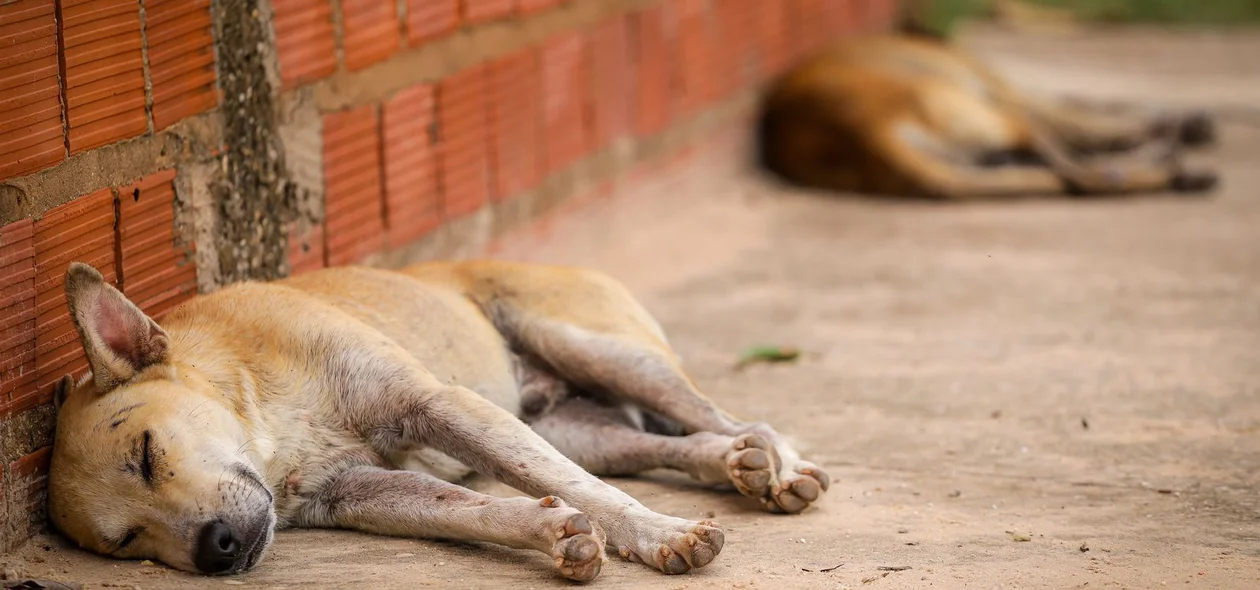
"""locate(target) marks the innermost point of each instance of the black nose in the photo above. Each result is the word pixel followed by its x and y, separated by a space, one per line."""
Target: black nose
pixel 218 548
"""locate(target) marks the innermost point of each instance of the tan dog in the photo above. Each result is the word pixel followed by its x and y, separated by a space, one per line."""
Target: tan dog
pixel 911 115
pixel 350 398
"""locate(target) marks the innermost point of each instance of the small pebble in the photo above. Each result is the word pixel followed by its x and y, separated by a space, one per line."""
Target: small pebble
pixel 903 531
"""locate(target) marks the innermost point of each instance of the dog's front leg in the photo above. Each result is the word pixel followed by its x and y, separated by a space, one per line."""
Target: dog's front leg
pixel 409 408
pixel 410 504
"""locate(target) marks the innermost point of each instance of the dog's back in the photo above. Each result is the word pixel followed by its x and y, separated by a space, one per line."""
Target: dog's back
pixel 832 121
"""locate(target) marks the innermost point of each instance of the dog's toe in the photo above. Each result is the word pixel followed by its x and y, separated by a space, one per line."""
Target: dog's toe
pixel 695 549
pixel 705 543
pixel 750 465
pixel 579 544
pixel 824 480
pixel 672 562
pixel 797 489
pixel 581 557
pixel 678 547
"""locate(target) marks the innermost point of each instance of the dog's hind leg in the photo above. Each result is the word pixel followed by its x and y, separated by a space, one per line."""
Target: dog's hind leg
pixel 609 440
pixel 591 332
pixel 397 406
pixel 929 173
pixel 1090 128
pixel 411 504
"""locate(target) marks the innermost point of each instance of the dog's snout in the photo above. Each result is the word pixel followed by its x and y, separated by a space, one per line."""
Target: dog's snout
pixel 218 548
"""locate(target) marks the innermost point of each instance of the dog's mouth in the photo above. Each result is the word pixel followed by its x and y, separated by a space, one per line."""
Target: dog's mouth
pixel 256 550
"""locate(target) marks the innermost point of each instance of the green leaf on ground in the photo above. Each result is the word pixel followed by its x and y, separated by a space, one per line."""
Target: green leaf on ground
pixel 767 354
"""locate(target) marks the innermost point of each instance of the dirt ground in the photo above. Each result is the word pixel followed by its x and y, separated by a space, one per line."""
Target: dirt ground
pixel 1044 394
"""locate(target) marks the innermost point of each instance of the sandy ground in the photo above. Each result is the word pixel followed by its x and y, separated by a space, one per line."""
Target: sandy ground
pixel 1083 375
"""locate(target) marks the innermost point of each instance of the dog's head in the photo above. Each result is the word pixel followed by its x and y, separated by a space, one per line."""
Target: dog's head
pixel 148 460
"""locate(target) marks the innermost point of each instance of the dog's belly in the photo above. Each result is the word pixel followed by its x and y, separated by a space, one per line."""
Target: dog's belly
pixel 441 328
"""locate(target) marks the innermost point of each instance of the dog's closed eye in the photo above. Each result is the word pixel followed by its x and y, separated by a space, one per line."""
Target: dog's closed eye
pixel 146 457
pixel 127 539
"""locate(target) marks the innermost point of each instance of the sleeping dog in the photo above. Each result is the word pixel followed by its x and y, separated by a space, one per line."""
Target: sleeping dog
pixel 911 115
pixel 353 398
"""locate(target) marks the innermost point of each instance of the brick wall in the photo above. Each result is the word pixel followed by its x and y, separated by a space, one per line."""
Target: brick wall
pixel 327 132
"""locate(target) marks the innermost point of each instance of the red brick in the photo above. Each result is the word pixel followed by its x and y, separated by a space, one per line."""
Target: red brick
pixel 814 22
pixel 564 100
pixel 478 11
pixel 28 477
pixel 855 11
pixel 17 311
pixel 879 14
pixel 824 18
pixel 370 31
pixel 652 72
pixel 30 105
pixel 827 18
pixel 158 271
pixel 354 221
pixel 737 23
pixel 412 203
pixel 429 19
pixel 33 465
pixel 104 72
pixel 696 72
pixel 793 13
pixel 611 81
pixel 181 59
pixel 304 40
pixel 842 16
pixel 463 129
pixel 776 43
pixel 527 7
pixel 306 250
pixel 516 117
pixel 79 231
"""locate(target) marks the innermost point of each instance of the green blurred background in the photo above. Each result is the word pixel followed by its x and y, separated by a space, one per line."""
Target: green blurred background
pixel 943 15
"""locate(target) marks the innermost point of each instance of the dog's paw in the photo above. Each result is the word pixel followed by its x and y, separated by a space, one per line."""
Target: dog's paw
pixel 1197 130
pixel 797 489
pixel 757 471
pixel 677 547
pixel 751 465
pixel 579 546
pixel 1194 181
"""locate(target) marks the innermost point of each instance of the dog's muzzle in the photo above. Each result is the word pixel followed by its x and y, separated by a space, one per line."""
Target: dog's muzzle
pixel 221 549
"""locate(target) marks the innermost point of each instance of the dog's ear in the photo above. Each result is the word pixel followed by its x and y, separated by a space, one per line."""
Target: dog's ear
pixel 62 391
pixel 118 338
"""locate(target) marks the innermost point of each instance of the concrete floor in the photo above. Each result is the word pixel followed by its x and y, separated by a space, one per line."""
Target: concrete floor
pixel 1080 374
